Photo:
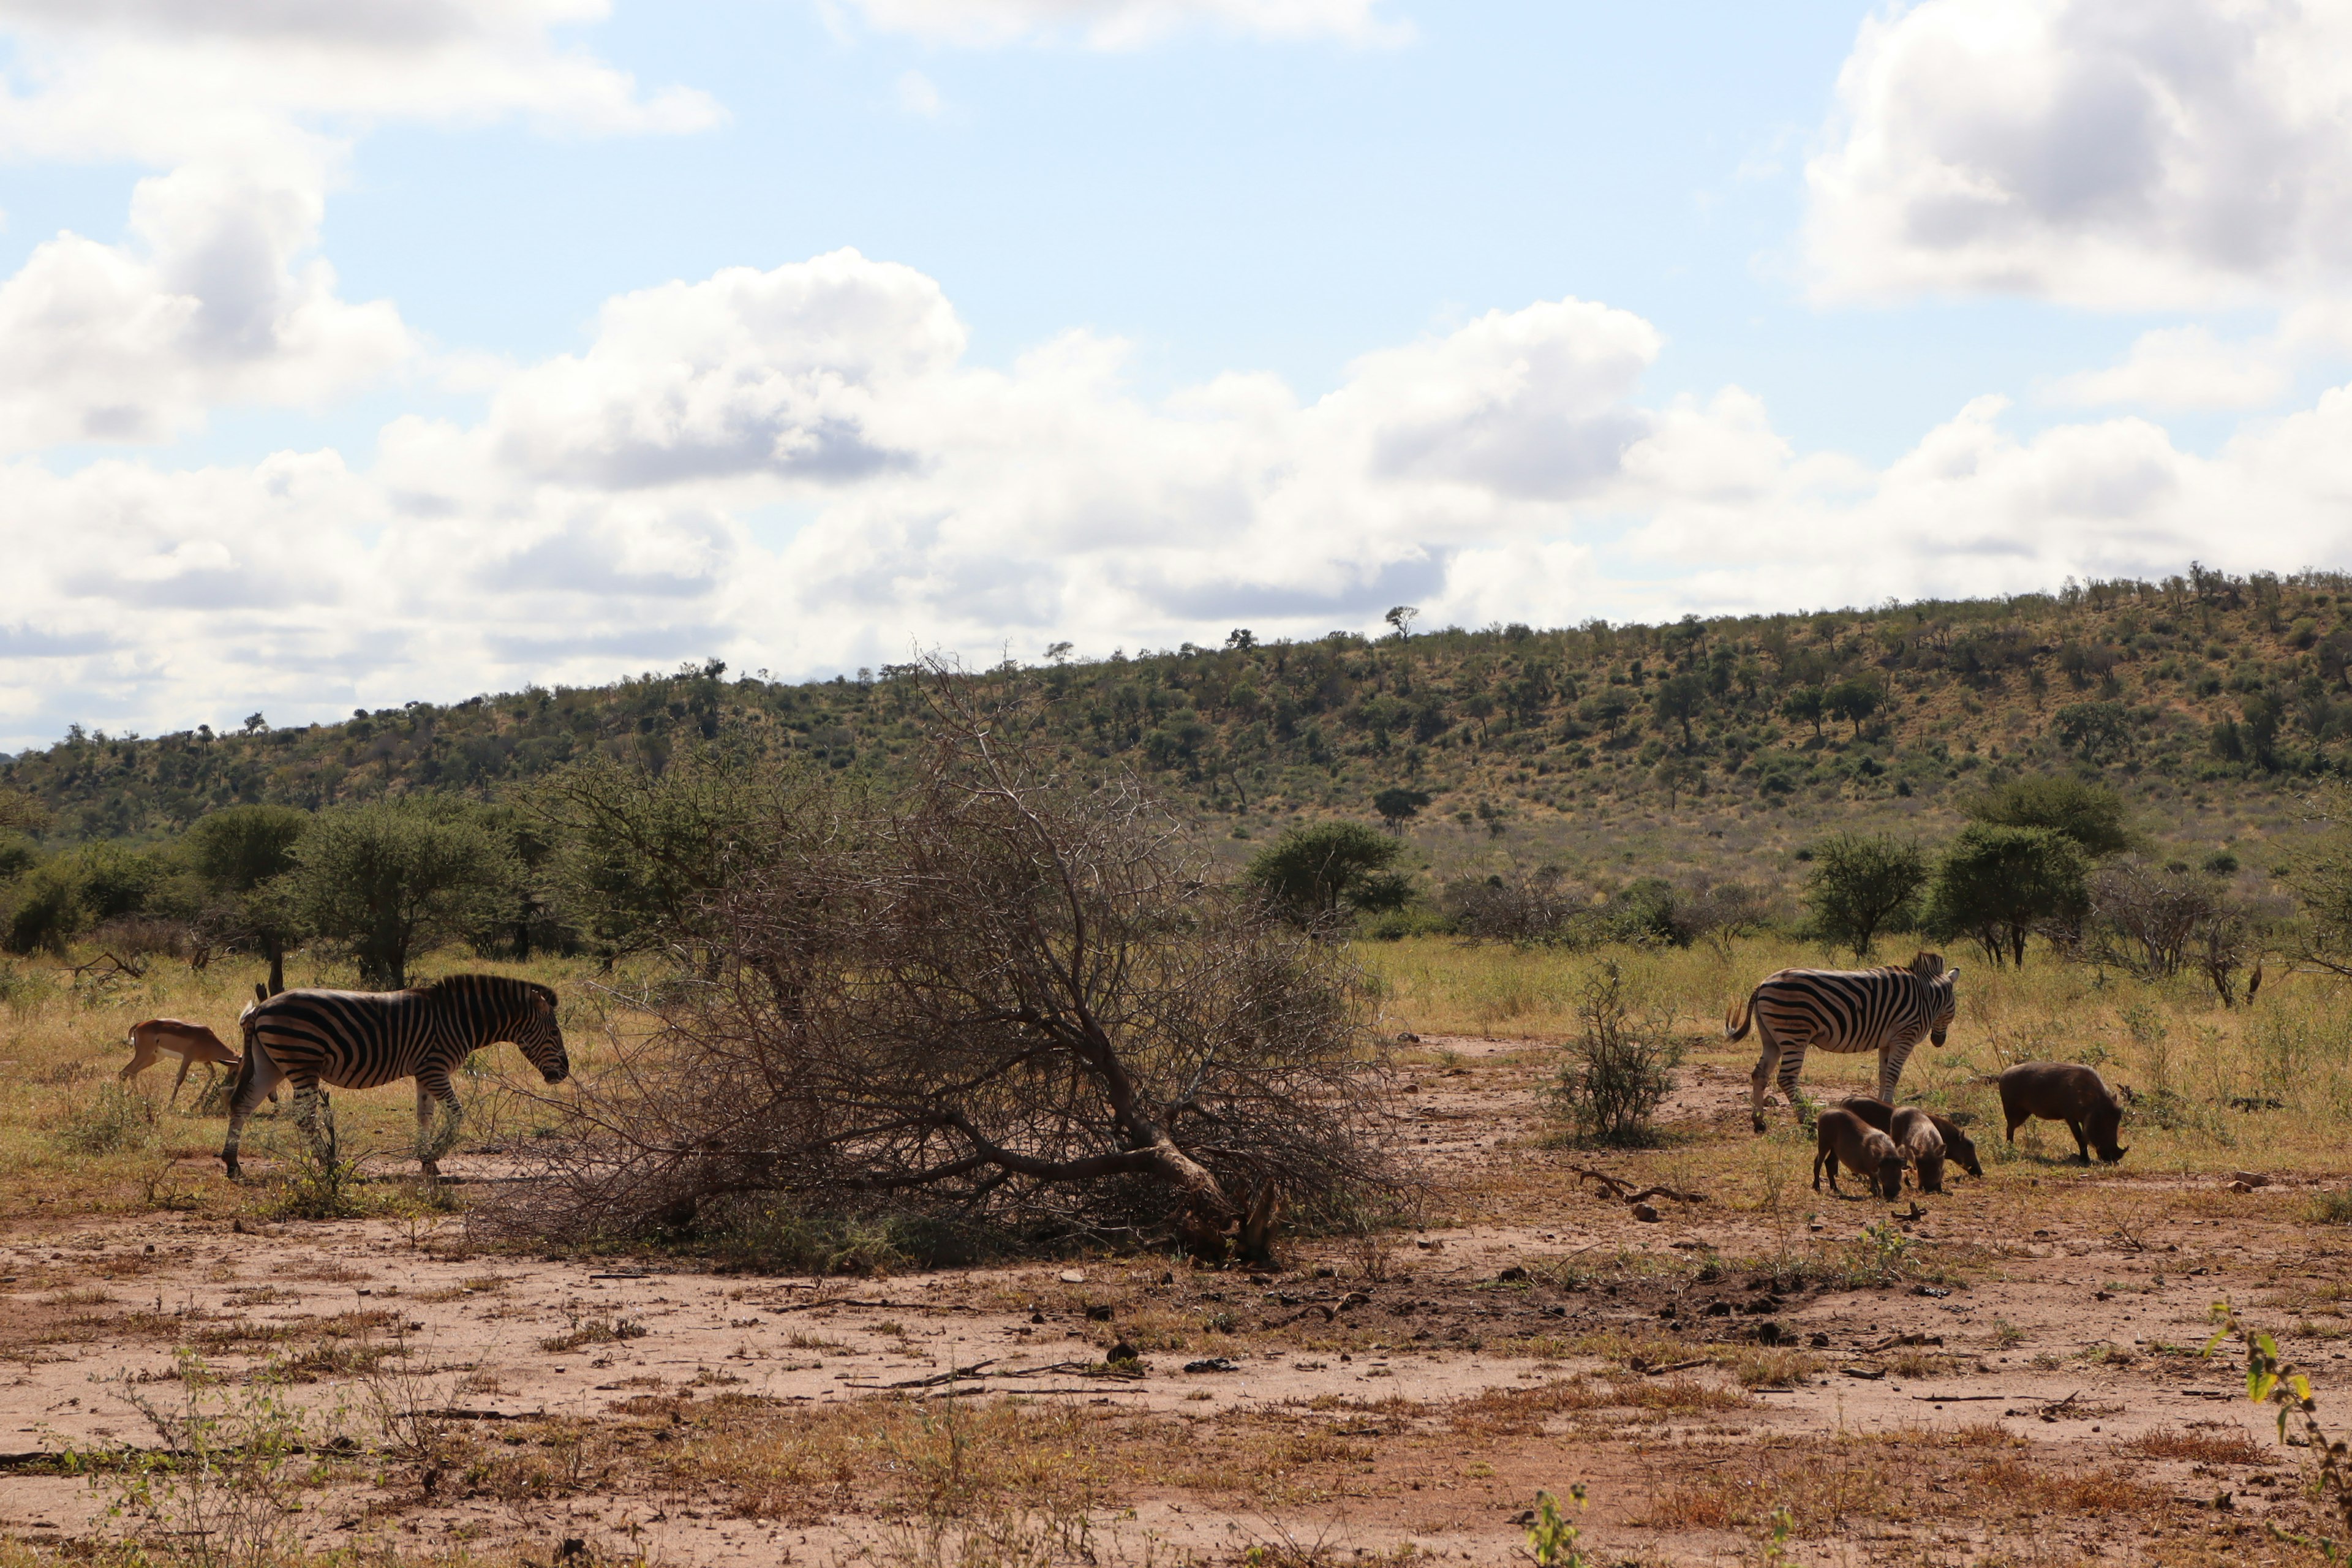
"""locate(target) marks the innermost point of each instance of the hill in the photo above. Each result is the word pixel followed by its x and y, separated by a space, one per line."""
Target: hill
pixel 2210 700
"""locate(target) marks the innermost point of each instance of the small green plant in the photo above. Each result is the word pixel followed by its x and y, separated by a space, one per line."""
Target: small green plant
pixel 223 1487
pixel 114 1119
pixel 2272 1379
pixel 318 1182
pixel 1890 1247
pixel 2331 1209
pixel 1552 1537
pixel 1776 1547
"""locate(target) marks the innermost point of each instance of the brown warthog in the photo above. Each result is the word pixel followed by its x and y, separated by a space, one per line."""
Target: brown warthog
pixel 1915 1132
pixel 1840 1137
pixel 1958 1148
pixel 2068 1092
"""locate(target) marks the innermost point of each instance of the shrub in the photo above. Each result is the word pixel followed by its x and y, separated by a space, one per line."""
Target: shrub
pixel 999 994
pixel 116 1118
pixel 1621 1067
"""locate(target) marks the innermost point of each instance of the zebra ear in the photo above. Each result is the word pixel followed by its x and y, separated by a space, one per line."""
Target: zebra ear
pixel 1952 974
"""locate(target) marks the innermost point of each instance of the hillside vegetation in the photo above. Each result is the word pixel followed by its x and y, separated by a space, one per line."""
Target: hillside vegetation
pixel 2209 699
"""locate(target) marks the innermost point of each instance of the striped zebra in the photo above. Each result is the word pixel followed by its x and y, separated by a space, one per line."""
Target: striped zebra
pixel 1844 1010
pixel 358 1040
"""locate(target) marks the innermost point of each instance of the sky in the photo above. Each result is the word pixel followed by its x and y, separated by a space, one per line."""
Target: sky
pixel 359 352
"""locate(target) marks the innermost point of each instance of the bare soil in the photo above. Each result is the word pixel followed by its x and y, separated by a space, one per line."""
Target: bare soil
pixel 2007 1373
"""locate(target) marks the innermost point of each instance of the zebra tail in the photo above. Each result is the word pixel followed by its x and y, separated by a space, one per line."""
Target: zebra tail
pixel 244 1065
pixel 1736 1022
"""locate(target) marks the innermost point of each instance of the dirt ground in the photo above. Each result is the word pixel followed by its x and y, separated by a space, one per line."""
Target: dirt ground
pixel 2005 1373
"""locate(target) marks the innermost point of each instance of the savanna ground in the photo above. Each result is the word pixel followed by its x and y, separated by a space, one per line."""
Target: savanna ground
pixel 2005 1374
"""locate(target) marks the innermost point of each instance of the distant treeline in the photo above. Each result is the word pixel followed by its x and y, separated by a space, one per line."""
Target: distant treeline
pixel 2203 677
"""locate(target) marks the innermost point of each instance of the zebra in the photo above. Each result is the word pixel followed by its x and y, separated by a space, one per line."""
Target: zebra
pixel 358 1040
pixel 1844 1010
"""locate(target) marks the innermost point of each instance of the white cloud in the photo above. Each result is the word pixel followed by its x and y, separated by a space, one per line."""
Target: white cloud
pixel 604 514
pixel 2184 367
pixel 1130 23
pixel 215 299
pixel 232 82
pixel 2167 153
pixel 210 305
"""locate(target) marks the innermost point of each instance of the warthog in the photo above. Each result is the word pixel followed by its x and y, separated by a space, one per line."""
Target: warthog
pixel 1914 1131
pixel 1958 1148
pixel 1840 1137
pixel 2068 1092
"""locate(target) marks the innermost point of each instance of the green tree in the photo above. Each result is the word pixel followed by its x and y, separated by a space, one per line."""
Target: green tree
pixel 1852 699
pixel 2099 732
pixel 1678 700
pixel 242 854
pixel 387 881
pixel 1805 705
pixel 1994 885
pixel 1863 885
pixel 1311 872
pixel 2090 813
pixel 639 855
pixel 1397 804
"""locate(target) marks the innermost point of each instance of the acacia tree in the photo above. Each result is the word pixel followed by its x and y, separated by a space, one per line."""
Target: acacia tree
pixel 242 854
pixel 1003 994
pixel 2091 815
pixel 1312 873
pixel 1998 884
pixel 385 881
pixel 1863 885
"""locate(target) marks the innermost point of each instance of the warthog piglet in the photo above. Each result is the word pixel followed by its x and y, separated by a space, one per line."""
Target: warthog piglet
pixel 1842 1138
pixel 1958 1148
pixel 1914 1131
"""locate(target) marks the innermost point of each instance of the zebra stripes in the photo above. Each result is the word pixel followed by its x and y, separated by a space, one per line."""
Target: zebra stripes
pixel 1844 1010
pixel 359 1040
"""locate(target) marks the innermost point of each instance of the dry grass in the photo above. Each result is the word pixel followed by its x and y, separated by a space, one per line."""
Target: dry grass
pixel 1979 1472
pixel 2206 1447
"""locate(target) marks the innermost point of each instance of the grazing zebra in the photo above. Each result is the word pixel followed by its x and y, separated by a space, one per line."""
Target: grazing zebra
pixel 358 1040
pixel 1844 1010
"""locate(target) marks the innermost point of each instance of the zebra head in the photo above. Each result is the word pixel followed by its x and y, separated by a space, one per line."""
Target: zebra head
pixel 1940 1003
pixel 538 1036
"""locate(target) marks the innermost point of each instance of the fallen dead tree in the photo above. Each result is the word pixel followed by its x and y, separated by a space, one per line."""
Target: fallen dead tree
pixel 1002 997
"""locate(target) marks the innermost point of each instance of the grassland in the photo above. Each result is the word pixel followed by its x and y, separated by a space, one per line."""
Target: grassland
pixel 1402 1394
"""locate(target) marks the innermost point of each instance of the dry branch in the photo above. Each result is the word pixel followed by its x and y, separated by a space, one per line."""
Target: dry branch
pixel 1000 997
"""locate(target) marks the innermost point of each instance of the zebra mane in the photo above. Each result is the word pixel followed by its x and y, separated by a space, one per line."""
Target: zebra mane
pixel 1927 965
pixel 506 987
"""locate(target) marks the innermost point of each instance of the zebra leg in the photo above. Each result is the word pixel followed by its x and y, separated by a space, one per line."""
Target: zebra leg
pixel 256 1075
pixel 315 1115
pixel 1792 1062
pixel 433 1085
pixel 1765 1059
pixel 1890 1069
